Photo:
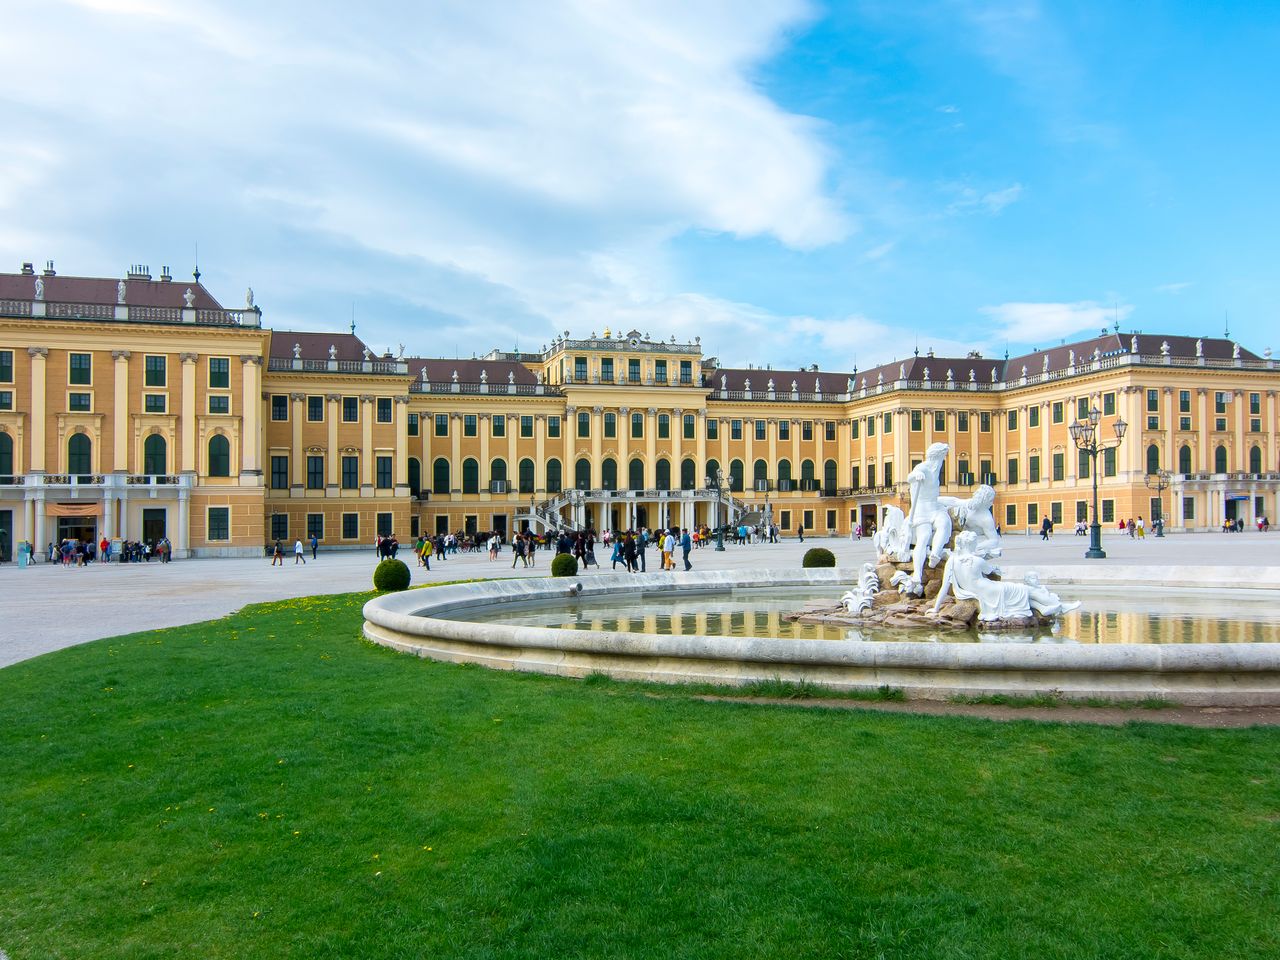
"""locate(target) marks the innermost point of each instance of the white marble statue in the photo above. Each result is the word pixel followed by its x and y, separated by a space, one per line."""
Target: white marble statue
pixel 39 288
pixel 248 298
pixel 966 575
pixel 297 351
pixel 1199 348
pixel 120 292
pixel 975 516
pixel 1045 366
pixel 892 537
pixel 928 521
pixel 1235 351
pixel 189 298
pixel 1133 344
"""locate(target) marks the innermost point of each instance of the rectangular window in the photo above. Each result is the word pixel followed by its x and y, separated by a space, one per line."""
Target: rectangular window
pixel 760 430
pixel 855 476
pixel 1082 510
pixel 1153 423
pixel 1153 401
pixel 664 426
pixel 155 402
pixel 315 473
pixel 351 473
pixel 1108 404
pixel 917 421
pixel 1082 408
pixel 219 523
pixel 219 404
pixel 350 409
pixel 963 472
pixel 220 373
pixel 713 428
pixel 633 371
pixel 6 399
pixel 660 371
pixel 6 366
pixel 1255 403
pixel 610 425
pixel 279 407
pixel 1082 465
pixel 1012 465
pixel 382 473
pixel 315 409
pixel 553 426
pixel 808 520
pixel 984 469
pixel 81 402
pixel 1033 468
pixel 871 475
pixel 1033 514
pixel 686 371
pixel 1184 401
pixel 831 519
pixel 526 427
pixel 470 425
pixel 413 425
pixel 984 422
pixel 1255 425
pixel 784 429
pixel 1033 416
pixel 351 526
pixel 829 430
pixel 279 473
pixel 1184 423
pixel 384 525
pixel 1010 515
pixel 939 421
pixel 637 426
pixel 888 423
pixel 498 425
pixel 279 526
pixel 1188 508
pixel 1059 466
pixel 1220 400
pixel 1109 462
pixel 606 369
pixel 962 421
pixel 1055 512
pixel 384 409
pixel 442 424
pixel 580 369
pixel 80 369
pixel 315 526
pixel 784 520
pixel 1056 411
pixel 1013 420
pixel 154 371
pixel 584 423
pixel 888 474
pixel 689 426
pixel 1108 511
pixel 1220 424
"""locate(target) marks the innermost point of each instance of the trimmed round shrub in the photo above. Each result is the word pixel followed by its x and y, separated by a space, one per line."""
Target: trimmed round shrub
pixel 564 565
pixel 818 557
pixel 391 575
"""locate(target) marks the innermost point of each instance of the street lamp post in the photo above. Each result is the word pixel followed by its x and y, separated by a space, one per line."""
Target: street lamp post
pixel 1159 482
pixel 1085 434
pixel 716 483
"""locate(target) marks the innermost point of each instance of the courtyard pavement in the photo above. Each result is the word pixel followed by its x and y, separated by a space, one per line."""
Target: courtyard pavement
pixel 45 607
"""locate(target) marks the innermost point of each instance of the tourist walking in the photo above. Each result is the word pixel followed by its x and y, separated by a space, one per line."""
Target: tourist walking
pixel 297 553
pixel 686 544
pixel 277 554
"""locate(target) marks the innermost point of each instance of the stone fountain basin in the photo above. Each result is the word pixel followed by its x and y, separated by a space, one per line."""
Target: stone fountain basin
pixel 1236 674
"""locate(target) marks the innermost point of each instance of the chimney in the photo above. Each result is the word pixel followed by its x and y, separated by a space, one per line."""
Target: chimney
pixel 139 271
pixel 165 276
pixel 48 269
pixel 28 269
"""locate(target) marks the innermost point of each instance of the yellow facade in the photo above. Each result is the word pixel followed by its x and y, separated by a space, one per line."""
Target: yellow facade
pixel 196 423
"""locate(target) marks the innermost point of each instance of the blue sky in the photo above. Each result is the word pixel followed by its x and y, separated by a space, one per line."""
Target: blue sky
pixel 794 182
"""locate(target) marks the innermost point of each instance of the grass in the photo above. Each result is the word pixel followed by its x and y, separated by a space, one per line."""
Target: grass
pixel 1055 698
pixel 268 785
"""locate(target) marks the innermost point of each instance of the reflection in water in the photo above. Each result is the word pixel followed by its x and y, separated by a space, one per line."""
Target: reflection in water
pixel 1132 617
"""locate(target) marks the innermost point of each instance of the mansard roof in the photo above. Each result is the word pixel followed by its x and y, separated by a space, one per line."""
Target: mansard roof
pixel 315 346
pixel 495 371
pixel 105 291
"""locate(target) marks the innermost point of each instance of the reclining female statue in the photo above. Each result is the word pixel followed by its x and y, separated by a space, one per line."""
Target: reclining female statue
pixel 965 574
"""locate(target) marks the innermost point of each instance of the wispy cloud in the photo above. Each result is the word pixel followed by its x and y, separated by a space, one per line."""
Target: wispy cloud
pixel 1038 323
pixel 968 199
pixel 1173 288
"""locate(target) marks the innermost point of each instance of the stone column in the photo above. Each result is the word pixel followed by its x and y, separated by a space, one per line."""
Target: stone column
pixel 120 429
pixel 39 356
pixel 540 455
pixel 333 405
pixel 455 452
pixel 189 412
pixel 250 433
pixel 297 458
pixel 182 542
pixel 624 448
pixel 41 539
pixel 1204 456
pixel 597 446
pixel 568 431
pixel 401 407
pixel 483 428
pixel 366 444
pixel 677 447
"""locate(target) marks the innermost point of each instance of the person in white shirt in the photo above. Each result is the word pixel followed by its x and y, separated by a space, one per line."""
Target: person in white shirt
pixel 297 553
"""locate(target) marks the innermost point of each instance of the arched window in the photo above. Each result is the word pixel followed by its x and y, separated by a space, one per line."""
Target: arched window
pixel 1153 459
pixel 735 476
pixel 688 474
pixel 663 470
pixel 155 455
pixel 470 475
pixel 1220 459
pixel 760 475
pixel 829 475
pixel 219 456
pixel 415 476
pixel 554 480
pixel 784 475
pixel 440 476
pixel 79 454
pixel 582 474
pixel 498 470
pixel 609 474
pixel 1255 460
pixel 6 455
pixel 635 474
pixel 1184 459
pixel 713 467
pixel 807 479
pixel 526 475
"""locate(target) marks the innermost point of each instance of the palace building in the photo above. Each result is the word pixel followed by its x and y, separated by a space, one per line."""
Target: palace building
pixel 141 408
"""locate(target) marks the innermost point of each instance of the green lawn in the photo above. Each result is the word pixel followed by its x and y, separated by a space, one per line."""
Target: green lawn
pixel 269 785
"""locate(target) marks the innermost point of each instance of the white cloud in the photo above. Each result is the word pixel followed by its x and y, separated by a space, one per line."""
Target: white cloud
pixel 1042 323
pixel 968 199
pixel 1173 288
